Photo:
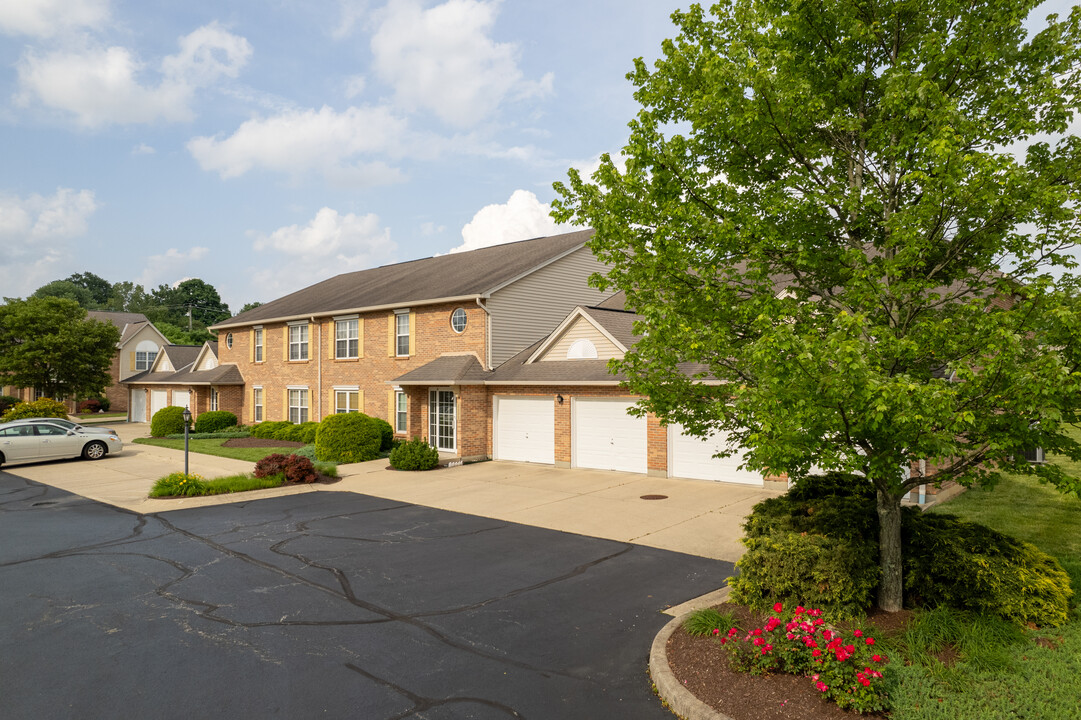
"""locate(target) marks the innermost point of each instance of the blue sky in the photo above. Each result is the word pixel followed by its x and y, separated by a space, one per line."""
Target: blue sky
pixel 263 145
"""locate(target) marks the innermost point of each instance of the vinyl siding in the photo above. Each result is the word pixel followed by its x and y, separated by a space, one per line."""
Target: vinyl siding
pixel 530 308
pixel 582 329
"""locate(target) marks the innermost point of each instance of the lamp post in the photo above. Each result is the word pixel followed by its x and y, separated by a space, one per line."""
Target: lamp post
pixel 187 423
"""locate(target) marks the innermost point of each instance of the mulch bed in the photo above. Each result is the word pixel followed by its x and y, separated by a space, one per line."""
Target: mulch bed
pixel 700 663
pixel 260 442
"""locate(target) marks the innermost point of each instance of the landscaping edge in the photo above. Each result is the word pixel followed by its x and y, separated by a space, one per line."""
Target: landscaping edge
pixel 679 699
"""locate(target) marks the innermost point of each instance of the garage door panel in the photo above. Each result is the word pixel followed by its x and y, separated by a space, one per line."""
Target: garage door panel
pixel 607 438
pixel 692 458
pixel 138 406
pixel 525 429
pixel 158 400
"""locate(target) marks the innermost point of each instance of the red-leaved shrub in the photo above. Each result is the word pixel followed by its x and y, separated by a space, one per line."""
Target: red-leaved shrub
pixel 295 468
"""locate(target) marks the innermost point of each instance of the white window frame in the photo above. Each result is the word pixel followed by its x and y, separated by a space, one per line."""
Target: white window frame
pixel 257 403
pixel 298 347
pixel 401 412
pixel 145 358
pixel 459 312
pixel 399 336
pixel 299 403
pixel 214 399
pixel 258 350
pixel 347 335
pixel 347 392
pixel 436 415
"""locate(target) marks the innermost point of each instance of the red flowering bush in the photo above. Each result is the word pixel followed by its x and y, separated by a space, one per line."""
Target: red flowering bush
pixel 846 669
pixel 295 468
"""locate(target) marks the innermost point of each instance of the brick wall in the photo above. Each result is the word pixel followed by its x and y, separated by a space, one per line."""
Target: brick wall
pixel 431 333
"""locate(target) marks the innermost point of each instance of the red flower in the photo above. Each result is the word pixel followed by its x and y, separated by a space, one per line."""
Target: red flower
pixel 816 652
pixel 858 633
pixel 865 682
pixel 778 607
pixel 732 632
pixel 850 649
pixel 876 658
pixel 870 641
pixel 716 631
pixel 756 631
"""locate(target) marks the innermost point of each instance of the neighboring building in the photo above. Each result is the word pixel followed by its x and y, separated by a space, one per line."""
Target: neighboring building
pixel 139 345
pixel 186 376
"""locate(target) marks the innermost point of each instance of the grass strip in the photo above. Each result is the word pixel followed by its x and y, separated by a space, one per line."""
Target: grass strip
pixel 214 447
pixel 175 485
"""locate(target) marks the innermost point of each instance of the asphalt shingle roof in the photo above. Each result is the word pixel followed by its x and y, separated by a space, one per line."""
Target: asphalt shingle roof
pixel 446 370
pixel 127 323
pixel 455 275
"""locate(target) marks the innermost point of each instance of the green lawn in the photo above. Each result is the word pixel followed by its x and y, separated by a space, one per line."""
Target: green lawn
pixel 102 416
pixel 1042 679
pixel 214 447
pixel 168 487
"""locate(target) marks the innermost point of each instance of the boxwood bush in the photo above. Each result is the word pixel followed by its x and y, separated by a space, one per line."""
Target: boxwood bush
pixel 167 421
pixel 267 430
pixel 214 420
pixel 814 548
pixel 386 434
pixel 304 432
pixel 416 454
pixel 348 438
pixel 39 408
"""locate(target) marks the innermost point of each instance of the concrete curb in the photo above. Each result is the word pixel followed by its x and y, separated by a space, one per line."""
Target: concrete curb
pixel 679 699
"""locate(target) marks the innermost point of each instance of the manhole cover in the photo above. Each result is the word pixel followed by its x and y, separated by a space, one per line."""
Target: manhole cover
pixel 654 497
pixel 47 502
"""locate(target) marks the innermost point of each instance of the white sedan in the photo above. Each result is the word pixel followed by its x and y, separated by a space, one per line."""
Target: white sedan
pixel 43 440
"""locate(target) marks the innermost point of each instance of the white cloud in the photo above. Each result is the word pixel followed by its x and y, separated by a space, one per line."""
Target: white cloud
pixel 522 217
pixel 352 11
pixel 143 149
pixel 354 85
pixel 299 141
pixel 329 244
pixel 170 264
pixel 443 59
pixel 34 235
pixel 103 86
pixel 428 229
pixel 587 167
pixel 47 18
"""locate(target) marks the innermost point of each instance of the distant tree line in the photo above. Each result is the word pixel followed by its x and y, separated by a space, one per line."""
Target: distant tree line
pixel 182 313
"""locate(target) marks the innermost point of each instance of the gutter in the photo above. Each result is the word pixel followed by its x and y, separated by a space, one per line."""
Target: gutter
pixel 348 311
pixel 319 364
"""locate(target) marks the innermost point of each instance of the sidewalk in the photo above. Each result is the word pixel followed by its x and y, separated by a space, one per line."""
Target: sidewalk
pixel 695 517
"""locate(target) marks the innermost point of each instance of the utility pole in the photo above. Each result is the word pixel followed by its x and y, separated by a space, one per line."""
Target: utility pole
pixel 189 318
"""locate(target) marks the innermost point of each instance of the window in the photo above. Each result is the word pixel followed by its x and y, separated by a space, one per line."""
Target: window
pixel 213 398
pixel 1034 455
pixel 581 349
pixel 298 405
pixel 145 352
pixel 347 339
pixel 458 320
pixel 298 342
pixel 259 344
pixel 441 419
pixel 401 327
pixel 229 341
pixel 257 404
pixel 401 412
pixel 346 401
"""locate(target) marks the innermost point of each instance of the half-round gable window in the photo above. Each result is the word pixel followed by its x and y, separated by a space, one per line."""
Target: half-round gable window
pixel 145 352
pixel 582 350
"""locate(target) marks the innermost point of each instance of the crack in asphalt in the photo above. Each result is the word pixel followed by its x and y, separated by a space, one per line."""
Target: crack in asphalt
pixel 420 704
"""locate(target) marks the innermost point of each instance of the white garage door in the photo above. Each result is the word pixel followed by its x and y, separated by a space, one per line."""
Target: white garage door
pixel 180 398
pixel 607 438
pixel 691 457
pixel 525 429
pixel 138 405
pixel 158 400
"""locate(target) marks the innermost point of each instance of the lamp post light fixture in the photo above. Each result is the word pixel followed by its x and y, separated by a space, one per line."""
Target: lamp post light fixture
pixel 187 424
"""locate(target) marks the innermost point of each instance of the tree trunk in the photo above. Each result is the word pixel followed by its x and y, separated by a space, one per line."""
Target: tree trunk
pixel 890 587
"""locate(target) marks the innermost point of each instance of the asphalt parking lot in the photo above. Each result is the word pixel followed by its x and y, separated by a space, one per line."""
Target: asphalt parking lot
pixel 328 605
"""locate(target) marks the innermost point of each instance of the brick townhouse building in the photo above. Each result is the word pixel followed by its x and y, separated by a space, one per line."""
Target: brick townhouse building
pixel 495 353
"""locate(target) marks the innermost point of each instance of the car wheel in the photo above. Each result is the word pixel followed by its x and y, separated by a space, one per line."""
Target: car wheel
pixel 94 451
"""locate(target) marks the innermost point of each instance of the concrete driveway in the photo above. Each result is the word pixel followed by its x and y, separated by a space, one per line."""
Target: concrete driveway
pixel 695 517
pixel 321 605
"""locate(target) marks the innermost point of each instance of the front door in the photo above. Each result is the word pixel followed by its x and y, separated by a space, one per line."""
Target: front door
pixel 138 405
pixel 441 420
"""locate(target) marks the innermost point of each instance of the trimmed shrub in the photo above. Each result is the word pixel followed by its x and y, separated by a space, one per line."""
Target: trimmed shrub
pixel 834 574
pixel 105 404
pixel 305 432
pixel 386 433
pixel 307 451
pixel 266 430
pixel 966 565
pixel 91 405
pixel 347 438
pixel 295 468
pixel 810 548
pixel 214 421
pixel 39 408
pixel 416 454
pixel 167 421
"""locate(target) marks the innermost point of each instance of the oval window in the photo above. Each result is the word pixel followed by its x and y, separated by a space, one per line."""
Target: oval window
pixel 229 341
pixel 457 320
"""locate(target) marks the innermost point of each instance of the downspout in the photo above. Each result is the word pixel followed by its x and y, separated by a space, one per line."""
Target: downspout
pixel 319 365
pixel 487 335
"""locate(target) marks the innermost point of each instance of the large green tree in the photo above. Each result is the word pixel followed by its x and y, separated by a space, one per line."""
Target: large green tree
pixel 48 343
pixel 196 296
pixel 845 211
